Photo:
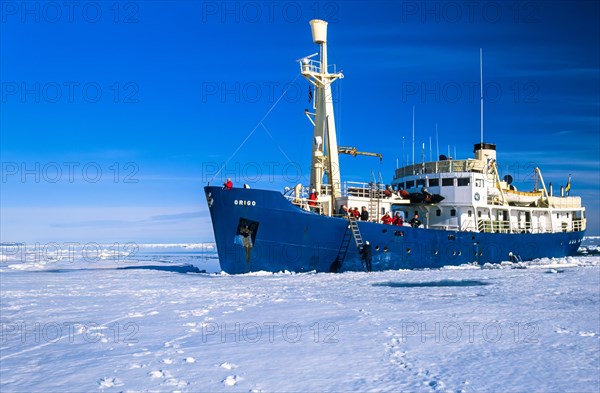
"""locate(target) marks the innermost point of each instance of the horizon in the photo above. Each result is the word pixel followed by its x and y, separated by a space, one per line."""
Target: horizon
pixel 113 116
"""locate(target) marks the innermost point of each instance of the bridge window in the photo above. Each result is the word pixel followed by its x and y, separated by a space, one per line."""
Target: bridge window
pixel 410 184
pixel 438 212
pixel 463 181
pixel 447 182
pixel 453 212
pixel 434 182
pixel 469 213
pixel 400 186
pixel 421 183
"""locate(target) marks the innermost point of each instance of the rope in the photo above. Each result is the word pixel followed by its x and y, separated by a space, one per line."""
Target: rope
pixel 278 146
pixel 254 129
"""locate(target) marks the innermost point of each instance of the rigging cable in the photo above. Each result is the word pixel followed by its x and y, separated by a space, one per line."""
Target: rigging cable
pixel 254 129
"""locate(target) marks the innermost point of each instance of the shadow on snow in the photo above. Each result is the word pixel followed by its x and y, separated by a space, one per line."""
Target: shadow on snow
pixel 427 284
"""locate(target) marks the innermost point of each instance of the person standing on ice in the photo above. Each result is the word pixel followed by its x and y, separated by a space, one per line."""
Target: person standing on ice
pixel 367 255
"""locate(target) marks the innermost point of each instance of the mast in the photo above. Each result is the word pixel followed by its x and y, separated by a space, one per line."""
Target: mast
pixel 430 148
pixel 437 142
pixel 413 137
pixel 481 93
pixel 325 158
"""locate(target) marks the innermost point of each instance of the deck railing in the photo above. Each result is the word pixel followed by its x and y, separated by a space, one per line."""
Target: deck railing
pixel 446 166
pixel 365 190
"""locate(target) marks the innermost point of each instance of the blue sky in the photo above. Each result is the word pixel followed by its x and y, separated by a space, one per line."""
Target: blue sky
pixel 114 115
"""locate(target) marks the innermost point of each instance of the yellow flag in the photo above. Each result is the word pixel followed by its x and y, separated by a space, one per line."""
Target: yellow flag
pixel 568 186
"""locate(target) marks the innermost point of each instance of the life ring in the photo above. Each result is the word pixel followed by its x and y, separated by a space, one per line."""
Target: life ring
pixel 476 196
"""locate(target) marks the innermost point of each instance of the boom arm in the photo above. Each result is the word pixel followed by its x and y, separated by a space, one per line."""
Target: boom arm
pixel 352 151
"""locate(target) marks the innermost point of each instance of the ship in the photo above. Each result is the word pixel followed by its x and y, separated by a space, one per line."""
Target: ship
pixel 454 212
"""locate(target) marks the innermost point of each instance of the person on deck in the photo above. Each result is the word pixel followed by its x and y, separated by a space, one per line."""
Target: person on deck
pixel 228 185
pixel 398 221
pixel 386 219
pixel 356 213
pixel 344 211
pixel 364 214
pixel 312 198
pixel 415 222
pixel 312 201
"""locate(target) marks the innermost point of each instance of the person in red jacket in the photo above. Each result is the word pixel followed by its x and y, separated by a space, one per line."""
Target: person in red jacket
pixel 312 198
pixel 398 221
pixel 228 184
pixel 386 219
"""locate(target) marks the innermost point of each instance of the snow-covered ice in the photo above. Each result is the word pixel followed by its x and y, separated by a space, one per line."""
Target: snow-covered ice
pixel 154 323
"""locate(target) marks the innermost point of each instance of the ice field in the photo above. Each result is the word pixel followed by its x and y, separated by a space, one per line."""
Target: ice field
pixel 112 322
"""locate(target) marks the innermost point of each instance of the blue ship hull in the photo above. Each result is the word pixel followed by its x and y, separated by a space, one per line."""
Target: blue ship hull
pixel 260 230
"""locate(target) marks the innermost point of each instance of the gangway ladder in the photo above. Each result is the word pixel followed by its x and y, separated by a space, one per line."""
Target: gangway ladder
pixel 353 233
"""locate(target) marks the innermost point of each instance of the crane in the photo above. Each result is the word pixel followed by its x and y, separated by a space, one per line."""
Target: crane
pixel 352 151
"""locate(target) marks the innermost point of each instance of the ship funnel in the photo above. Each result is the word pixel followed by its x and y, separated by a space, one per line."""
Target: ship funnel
pixel 319 31
pixel 485 151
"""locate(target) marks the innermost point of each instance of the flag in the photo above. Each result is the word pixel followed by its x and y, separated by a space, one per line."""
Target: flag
pixel 310 94
pixel 568 186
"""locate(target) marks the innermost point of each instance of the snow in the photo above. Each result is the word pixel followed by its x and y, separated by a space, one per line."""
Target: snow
pixel 154 323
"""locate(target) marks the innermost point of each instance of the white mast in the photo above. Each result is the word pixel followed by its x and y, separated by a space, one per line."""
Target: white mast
pixel 403 155
pixel 430 148
pixel 325 158
pixel 437 142
pixel 481 91
pixel 413 137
